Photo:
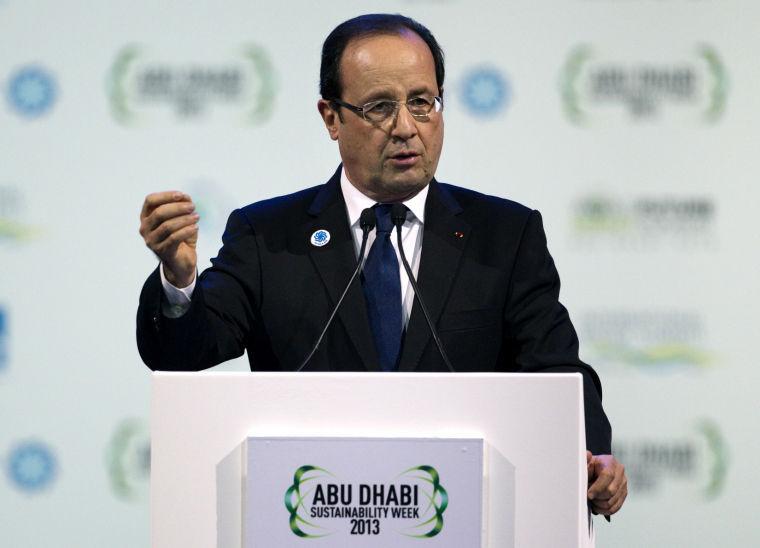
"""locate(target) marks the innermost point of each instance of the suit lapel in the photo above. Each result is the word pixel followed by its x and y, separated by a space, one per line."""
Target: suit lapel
pixel 444 238
pixel 335 263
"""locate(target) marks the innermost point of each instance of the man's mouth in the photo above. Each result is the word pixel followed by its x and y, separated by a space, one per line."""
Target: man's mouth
pixel 404 155
pixel 404 159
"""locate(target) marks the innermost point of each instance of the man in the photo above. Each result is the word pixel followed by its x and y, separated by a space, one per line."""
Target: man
pixel 482 262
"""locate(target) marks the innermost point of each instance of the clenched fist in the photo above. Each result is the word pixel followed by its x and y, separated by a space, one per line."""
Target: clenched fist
pixel 169 226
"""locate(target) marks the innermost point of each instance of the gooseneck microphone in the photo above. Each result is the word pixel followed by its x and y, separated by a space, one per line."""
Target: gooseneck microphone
pixel 398 216
pixel 367 224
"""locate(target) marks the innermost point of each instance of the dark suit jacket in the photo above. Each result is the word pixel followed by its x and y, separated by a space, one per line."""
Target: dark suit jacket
pixel 485 273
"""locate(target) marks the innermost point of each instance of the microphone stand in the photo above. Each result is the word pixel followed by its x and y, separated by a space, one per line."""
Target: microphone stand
pixel 367 223
pixel 398 215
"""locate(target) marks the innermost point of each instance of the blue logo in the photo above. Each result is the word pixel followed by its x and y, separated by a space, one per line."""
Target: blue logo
pixel 32 91
pixel 320 238
pixel 3 339
pixel 485 91
pixel 32 466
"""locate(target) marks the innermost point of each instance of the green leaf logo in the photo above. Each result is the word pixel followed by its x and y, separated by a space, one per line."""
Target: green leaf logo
pixel 438 501
pixel 294 498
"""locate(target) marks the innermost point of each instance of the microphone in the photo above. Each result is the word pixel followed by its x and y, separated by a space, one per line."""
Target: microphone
pixel 398 216
pixel 367 223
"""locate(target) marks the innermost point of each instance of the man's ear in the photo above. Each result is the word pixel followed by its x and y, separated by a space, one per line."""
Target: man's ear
pixel 330 117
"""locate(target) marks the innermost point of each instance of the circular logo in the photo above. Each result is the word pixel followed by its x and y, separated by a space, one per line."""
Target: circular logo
pixel 320 237
pixel 32 466
pixel 32 91
pixel 485 91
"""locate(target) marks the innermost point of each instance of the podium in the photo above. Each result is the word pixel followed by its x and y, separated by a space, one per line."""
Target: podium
pixel 206 428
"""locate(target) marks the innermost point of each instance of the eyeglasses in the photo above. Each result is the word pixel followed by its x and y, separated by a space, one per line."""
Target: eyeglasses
pixel 380 111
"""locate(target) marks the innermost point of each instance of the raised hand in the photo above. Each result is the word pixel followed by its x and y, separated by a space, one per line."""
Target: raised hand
pixel 169 226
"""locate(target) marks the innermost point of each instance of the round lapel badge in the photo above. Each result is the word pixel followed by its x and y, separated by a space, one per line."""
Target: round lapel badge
pixel 320 238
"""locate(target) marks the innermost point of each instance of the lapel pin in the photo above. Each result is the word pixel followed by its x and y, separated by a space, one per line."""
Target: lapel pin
pixel 458 234
pixel 320 238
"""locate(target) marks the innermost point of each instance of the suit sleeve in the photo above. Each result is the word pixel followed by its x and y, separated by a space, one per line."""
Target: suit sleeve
pixel 540 330
pixel 222 313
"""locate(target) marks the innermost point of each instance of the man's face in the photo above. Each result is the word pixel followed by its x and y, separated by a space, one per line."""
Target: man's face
pixel 395 159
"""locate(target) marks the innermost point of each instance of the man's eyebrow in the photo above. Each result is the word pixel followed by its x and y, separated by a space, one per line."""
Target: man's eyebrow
pixel 379 94
pixel 420 90
pixel 389 94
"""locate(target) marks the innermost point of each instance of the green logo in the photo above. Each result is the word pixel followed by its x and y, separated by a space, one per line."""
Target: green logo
pixel 648 340
pixel 319 504
pixel 699 459
pixel 294 502
pixel 438 500
pixel 141 88
pixel 654 356
pixel 128 459
pixel 600 213
pixel 718 458
pixel 645 221
pixel 590 86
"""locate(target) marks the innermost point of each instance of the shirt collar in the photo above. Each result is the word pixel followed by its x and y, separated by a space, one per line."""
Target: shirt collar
pixel 356 202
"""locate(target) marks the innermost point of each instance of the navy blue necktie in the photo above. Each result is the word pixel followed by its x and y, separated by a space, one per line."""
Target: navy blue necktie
pixel 382 291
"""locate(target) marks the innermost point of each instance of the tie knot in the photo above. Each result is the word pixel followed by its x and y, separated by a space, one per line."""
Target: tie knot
pixel 383 216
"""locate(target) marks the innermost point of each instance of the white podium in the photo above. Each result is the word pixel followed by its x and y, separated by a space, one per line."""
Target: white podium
pixel 532 427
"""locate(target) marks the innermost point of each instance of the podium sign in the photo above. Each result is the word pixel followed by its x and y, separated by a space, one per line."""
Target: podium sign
pixel 356 492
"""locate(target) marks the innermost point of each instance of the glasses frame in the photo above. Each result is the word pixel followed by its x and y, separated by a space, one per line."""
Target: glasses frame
pixel 362 110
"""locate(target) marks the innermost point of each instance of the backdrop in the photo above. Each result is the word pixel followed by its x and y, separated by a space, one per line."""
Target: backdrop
pixel 630 124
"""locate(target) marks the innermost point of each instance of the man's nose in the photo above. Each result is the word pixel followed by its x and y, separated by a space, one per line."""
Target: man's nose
pixel 404 125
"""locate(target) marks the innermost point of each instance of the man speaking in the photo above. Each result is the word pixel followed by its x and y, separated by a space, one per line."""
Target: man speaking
pixel 488 282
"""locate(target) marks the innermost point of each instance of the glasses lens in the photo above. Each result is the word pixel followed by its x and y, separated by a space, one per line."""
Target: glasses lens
pixel 379 111
pixel 419 106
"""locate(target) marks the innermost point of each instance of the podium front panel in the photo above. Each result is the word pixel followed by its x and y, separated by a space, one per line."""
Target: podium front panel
pixel 532 426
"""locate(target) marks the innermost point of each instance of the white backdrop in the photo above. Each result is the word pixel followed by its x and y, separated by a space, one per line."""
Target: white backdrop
pixel 630 124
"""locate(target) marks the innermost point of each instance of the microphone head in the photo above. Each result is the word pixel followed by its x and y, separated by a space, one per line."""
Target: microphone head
pixel 398 214
pixel 367 219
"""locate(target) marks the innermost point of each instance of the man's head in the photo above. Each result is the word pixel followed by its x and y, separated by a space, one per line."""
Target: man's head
pixel 392 58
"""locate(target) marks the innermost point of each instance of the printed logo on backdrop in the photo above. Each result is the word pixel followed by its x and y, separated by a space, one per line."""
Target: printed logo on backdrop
pixel 128 459
pixel 4 339
pixel 596 87
pixel 31 466
pixel 146 87
pixel 693 463
pixel 485 91
pixel 13 227
pixel 320 504
pixel 649 341
pixel 645 221
pixel 31 91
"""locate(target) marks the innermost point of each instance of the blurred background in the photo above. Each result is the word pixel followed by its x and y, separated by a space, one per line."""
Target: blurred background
pixel 632 125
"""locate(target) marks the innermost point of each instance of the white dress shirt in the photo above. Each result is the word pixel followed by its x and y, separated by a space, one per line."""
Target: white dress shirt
pixel 411 238
pixel 411 234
